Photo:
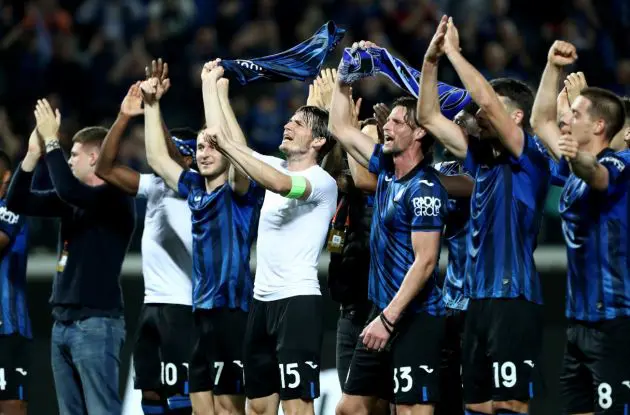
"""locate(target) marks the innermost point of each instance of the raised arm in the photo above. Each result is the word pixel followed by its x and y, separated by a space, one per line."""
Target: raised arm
pixel 107 169
pixel 69 189
pixel 356 144
pixel 237 179
pixel 296 187
pixel 157 150
pixel 544 118
pixel 510 134
pixel 21 198
pixel 429 115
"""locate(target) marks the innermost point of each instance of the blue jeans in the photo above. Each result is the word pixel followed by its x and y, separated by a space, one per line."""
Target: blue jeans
pixel 85 356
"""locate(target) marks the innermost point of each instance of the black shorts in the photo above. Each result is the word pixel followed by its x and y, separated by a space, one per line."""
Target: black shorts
pixel 451 370
pixel 283 345
pixel 14 367
pixel 407 372
pixel 163 348
pixel 596 368
pixel 217 361
pixel 502 340
pixel 349 326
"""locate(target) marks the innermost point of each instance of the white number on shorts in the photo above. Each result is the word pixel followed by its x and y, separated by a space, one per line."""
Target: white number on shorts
pixel 604 390
pixel 3 382
pixel 290 370
pixel 169 373
pixel 219 368
pixel 504 374
pixel 405 373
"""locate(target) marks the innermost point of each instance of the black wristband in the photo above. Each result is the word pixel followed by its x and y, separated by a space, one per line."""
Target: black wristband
pixel 388 325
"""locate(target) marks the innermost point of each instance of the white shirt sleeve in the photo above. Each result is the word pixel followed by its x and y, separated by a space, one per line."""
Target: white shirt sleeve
pixel 323 187
pixel 149 184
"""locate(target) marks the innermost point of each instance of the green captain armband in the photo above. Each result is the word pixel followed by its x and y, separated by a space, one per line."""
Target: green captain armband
pixel 298 187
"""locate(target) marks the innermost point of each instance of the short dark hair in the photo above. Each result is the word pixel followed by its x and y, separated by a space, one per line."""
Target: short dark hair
pixel 519 94
pixel 317 120
pixel 5 161
pixel 412 120
pixel 372 121
pixel 90 135
pixel 608 106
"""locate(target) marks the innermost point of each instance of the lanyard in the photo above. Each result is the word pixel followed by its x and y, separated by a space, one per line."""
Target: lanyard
pixel 339 205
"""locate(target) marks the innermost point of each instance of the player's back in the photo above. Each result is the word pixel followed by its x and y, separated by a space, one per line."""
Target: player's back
pixel 14 318
pixel 597 234
pixel 505 216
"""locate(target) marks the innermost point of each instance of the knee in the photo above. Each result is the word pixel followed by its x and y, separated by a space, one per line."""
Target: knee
pixel 479 408
pixel 297 407
pixel 258 407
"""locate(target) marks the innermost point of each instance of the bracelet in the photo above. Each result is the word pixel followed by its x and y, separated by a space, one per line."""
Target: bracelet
pixel 386 323
pixel 51 145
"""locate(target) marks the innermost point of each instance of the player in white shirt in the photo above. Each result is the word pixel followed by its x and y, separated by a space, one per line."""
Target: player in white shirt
pixel 284 331
pixel 165 334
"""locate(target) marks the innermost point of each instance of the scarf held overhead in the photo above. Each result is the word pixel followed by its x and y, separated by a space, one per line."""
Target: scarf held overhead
pixel 361 63
pixel 301 62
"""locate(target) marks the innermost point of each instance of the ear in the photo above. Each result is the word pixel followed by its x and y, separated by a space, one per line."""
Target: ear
pixel 418 133
pixel 318 143
pixel 599 126
pixel 517 116
pixel 93 157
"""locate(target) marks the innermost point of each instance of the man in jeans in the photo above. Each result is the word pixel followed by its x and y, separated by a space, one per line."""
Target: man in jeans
pixel 97 221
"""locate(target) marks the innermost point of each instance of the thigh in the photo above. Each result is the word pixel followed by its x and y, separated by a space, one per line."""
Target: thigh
pixel 450 377
pixel 200 367
pixel 369 374
pixel 67 383
pixel 229 325
pixel 348 330
pixel 14 367
pixel 576 381
pixel 609 361
pixel 476 367
pixel 297 322
pixel 146 353
pixel 95 346
pixel 177 335
pixel 262 378
pixel 416 355
pixel 514 348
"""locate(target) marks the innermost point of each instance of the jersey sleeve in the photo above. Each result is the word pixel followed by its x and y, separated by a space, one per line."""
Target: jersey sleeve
pixel 560 171
pixel 10 223
pixel 323 187
pixel 379 161
pixel 534 160
pixel 472 156
pixel 254 195
pixel 188 180
pixel 149 184
pixel 426 205
pixel 617 167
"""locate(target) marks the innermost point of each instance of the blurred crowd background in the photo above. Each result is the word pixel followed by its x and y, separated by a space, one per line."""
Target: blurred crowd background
pixel 84 55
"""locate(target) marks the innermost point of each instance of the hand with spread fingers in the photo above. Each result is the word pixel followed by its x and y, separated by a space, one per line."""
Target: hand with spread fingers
pixel 574 84
pixel 159 72
pixel 326 81
pixel 131 105
pixel 149 90
pixel 48 121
